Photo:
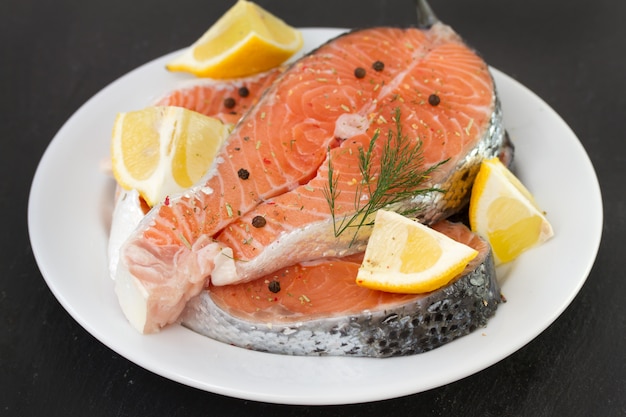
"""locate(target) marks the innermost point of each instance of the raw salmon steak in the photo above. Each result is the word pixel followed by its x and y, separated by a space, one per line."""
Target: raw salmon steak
pixel 317 309
pixel 264 204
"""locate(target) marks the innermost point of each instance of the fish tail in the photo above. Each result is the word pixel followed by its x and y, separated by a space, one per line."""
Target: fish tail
pixel 425 15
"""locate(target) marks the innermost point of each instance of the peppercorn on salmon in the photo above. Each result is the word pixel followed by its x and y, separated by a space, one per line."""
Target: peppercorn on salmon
pixel 312 156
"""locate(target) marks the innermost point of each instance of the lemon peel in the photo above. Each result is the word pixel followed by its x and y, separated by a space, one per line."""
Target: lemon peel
pixel 246 40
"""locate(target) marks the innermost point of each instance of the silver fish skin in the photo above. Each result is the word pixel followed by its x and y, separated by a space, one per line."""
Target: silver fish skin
pixel 418 326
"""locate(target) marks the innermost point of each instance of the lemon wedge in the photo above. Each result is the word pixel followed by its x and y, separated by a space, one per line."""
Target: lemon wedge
pixel 246 40
pixel 505 213
pixel 160 151
pixel 404 256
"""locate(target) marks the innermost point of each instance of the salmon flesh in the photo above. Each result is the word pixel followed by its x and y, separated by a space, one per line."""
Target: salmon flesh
pixel 264 204
pixel 226 100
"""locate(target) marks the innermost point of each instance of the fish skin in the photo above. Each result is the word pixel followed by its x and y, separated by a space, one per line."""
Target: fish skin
pixel 170 253
pixel 409 327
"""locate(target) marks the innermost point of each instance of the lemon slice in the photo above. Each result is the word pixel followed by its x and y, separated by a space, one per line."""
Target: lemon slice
pixel 404 256
pixel 160 151
pixel 505 213
pixel 246 40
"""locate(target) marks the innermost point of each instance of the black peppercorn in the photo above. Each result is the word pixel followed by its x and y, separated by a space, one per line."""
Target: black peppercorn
pixel 434 100
pixel 359 72
pixel 274 286
pixel 229 102
pixel 258 221
pixel 378 66
pixel 243 174
pixel 243 91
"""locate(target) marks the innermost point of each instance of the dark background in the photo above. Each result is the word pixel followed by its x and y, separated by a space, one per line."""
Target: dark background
pixel 57 54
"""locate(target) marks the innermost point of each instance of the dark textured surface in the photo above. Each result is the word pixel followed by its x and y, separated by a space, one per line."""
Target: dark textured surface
pixel 55 55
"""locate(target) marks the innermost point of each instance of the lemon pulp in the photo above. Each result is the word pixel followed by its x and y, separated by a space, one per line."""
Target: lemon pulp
pixel 505 213
pixel 404 256
pixel 160 151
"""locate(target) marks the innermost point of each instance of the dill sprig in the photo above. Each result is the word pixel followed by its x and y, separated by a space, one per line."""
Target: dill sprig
pixel 399 177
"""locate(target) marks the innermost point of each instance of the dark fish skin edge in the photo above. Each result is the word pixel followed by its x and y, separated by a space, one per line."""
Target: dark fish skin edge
pixel 411 328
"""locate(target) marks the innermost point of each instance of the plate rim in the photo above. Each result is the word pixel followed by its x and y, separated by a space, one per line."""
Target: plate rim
pixel 330 398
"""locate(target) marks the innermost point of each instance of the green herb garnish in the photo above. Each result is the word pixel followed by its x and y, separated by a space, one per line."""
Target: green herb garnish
pixel 399 177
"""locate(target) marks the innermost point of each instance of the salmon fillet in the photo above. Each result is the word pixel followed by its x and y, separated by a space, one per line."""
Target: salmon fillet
pixel 317 309
pixel 275 165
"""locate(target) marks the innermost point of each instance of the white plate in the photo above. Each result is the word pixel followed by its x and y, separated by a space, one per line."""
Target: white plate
pixel 69 216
